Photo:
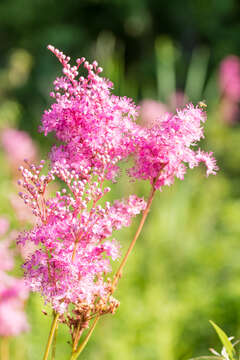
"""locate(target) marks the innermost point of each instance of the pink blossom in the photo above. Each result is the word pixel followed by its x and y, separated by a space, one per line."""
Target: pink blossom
pixel 73 238
pixel 151 111
pixel 94 125
pixel 165 149
pixel 229 111
pixel 13 294
pixel 18 145
pixel 209 161
pixel 229 77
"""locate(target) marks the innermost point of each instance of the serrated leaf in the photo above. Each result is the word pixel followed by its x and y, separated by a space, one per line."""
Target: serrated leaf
pixel 224 340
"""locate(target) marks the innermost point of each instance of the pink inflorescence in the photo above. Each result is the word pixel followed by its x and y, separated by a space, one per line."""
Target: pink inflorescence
pixel 73 235
pixel 96 130
pixel 13 295
pixel 229 83
pixel 18 145
pixel 94 125
pixel 229 77
pixel 166 148
pixel 13 292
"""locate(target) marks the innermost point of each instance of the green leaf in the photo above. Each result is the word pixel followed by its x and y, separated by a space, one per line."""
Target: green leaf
pixel 225 341
pixel 208 357
pixel 197 74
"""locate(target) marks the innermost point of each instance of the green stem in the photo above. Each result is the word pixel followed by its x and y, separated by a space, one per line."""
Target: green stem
pixel 4 350
pixel 54 343
pixel 51 335
pixel 76 353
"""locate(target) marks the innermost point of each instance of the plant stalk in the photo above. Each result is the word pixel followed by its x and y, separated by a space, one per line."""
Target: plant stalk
pixel 4 350
pixel 54 343
pixel 124 260
pixel 76 353
pixel 75 343
pixel 51 335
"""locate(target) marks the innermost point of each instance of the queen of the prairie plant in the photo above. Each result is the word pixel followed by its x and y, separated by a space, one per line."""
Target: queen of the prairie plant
pixel 96 130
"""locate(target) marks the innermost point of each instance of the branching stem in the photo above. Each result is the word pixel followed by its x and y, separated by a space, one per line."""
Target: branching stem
pixel 76 353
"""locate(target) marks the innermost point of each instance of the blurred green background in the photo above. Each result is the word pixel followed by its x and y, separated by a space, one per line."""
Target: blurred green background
pixel 185 268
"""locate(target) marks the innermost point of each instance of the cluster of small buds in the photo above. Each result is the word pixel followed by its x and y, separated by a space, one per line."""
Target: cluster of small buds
pixel 108 306
pixel 79 319
pixel 34 185
pixel 81 189
pixel 72 71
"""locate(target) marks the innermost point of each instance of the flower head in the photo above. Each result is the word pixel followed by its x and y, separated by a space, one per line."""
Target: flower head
pixel 166 148
pixel 93 124
pixel 73 241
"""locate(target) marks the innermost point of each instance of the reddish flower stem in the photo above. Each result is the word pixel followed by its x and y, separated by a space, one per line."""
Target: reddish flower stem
pixel 124 260
pixel 75 343
pixel 76 353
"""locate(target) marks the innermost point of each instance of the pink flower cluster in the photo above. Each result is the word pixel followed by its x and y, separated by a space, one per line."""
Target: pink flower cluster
pixel 74 249
pixel 99 129
pixel 94 126
pixel 229 82
pixel 229 77
pixel 18 145
pixel 166 148
pixel 13 292
pixel 96 130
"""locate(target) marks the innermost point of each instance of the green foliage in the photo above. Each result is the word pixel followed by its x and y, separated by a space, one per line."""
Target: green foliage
pixel 225 341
